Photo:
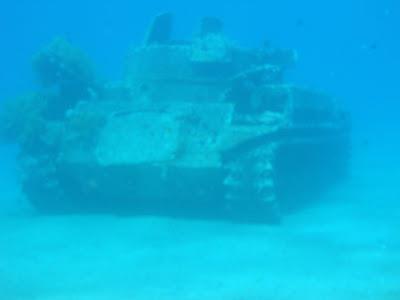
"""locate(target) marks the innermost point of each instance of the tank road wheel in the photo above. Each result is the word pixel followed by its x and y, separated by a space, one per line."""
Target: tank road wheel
pixel 249 188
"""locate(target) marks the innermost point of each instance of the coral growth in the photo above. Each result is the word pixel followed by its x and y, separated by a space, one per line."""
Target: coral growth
pixel 21 118
pixel 24 120
pixel 66 69
pixel 43 121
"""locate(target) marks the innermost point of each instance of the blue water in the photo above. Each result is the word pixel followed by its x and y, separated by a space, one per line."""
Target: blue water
pixel 346 247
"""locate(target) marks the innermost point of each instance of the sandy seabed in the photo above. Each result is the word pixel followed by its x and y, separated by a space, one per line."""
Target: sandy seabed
pixel 346 248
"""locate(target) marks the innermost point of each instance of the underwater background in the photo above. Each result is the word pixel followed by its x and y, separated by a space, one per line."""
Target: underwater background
pixel 345 247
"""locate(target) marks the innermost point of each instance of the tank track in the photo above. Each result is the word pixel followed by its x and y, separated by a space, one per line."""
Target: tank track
pixel 249 190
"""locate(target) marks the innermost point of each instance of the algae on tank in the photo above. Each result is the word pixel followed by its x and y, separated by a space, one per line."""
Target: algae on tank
pixel 200 128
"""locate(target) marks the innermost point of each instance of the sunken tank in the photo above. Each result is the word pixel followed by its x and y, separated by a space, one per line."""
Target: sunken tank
pixel 198 128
